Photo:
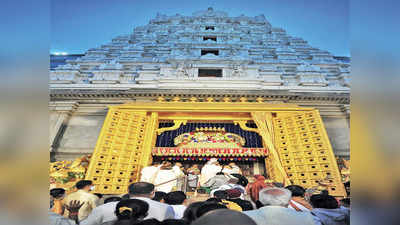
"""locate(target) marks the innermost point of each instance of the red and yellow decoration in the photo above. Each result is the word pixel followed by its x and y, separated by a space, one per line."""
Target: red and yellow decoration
pixel 214 152
pixel 209 137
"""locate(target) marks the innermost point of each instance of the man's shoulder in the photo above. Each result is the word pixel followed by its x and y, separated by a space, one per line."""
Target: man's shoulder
pixel 106 206
pixel 154 203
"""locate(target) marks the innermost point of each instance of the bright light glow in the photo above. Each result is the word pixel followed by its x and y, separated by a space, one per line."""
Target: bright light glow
pixel 60 53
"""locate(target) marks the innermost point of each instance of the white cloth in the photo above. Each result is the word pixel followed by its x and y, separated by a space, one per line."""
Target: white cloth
pixel 179 210
pixel 227 170
pixel 298 205
pixel 236 169
pixel 273 215
pixel 178 172
pixel 147 173
pixel 101 214
pixel 208 171
pixel 90 200
pixel 164 176
pixel 106 213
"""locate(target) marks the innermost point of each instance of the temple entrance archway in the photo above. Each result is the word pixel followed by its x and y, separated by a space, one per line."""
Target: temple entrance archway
pixel 290 141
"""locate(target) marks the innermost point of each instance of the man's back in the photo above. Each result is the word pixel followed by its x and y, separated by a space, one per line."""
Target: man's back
pixel 274 215
pixel 158 210
pixel 90 202
pixel 101 214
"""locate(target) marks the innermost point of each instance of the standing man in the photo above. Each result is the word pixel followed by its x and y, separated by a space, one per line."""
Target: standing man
pixel 148 172
pixel 83 195
pixel 180 175
pixel 209 170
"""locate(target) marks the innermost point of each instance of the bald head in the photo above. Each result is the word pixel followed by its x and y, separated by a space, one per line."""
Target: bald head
pixel 224 217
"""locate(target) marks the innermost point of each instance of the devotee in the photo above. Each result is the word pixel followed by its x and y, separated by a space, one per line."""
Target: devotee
pixel 217 181
pixel 148 173
pixel 253 189
pixel 82 194
pixel 298 202
pixel 190 213
pixel 207 207
pixel 56 200
pixel 234 196
pixel 222 195
pixel 176 200
pixel 180 175
pixel 224 217
pixel 165 179
pixel 130 211
pixel 73 209
pixel 193 177
pixel 209 170
pixel 141 190
pixel 275 211
pixel 159 196
pixel 327 211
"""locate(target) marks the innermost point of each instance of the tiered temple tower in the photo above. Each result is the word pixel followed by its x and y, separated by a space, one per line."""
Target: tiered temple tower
pixel 208 54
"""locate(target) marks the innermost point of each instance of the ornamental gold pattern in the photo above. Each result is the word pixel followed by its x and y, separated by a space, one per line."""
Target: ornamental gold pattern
pixel 305 151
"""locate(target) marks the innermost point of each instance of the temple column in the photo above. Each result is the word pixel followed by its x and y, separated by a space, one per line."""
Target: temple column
pixel 60 113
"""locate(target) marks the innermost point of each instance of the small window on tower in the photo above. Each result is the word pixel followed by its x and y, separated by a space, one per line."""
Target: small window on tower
pixel 210 72
pixel 204 52
pixel 209 38
pixel 210 28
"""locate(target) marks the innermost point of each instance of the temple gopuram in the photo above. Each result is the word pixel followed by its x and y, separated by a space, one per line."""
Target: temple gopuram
pixel 191 88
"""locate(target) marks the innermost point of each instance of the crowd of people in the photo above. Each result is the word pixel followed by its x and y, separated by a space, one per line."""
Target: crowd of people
pixel 228 198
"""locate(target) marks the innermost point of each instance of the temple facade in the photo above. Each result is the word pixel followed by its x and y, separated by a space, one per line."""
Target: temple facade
pixel 206 57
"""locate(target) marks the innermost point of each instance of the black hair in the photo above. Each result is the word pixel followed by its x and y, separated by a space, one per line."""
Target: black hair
pixel 57 192
pixel 190 213
pixel 99 195
pixel 242 179
pixel 219 173
pixel 159 195
pixel 125 196
pixel 296 190
pixel 221 194
pixel 214 200
pixel 135 209
pixel 112 199
pixel 258 204
pixel 140 188
pixel 175 198
pixel 324 201
pixel 174 222
pixel 207 207
pixel 83 183
pixel 151 221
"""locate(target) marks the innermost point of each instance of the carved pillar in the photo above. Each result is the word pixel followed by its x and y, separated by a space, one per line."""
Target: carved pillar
pixel 150 138
pixel 60 113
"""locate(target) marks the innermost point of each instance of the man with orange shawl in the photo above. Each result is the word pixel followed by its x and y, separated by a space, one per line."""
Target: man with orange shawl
pixel 254 188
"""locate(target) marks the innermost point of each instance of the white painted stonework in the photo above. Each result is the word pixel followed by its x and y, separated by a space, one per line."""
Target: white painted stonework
pixel 167 54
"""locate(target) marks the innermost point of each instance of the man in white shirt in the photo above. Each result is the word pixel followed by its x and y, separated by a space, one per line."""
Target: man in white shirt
pixel 275 211
pixel 176 199
pixel 141 190
pixel 148 173
pixel 83 194
pixel 209 170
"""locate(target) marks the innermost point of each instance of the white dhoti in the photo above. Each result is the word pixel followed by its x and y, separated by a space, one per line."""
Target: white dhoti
pixel 164 176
